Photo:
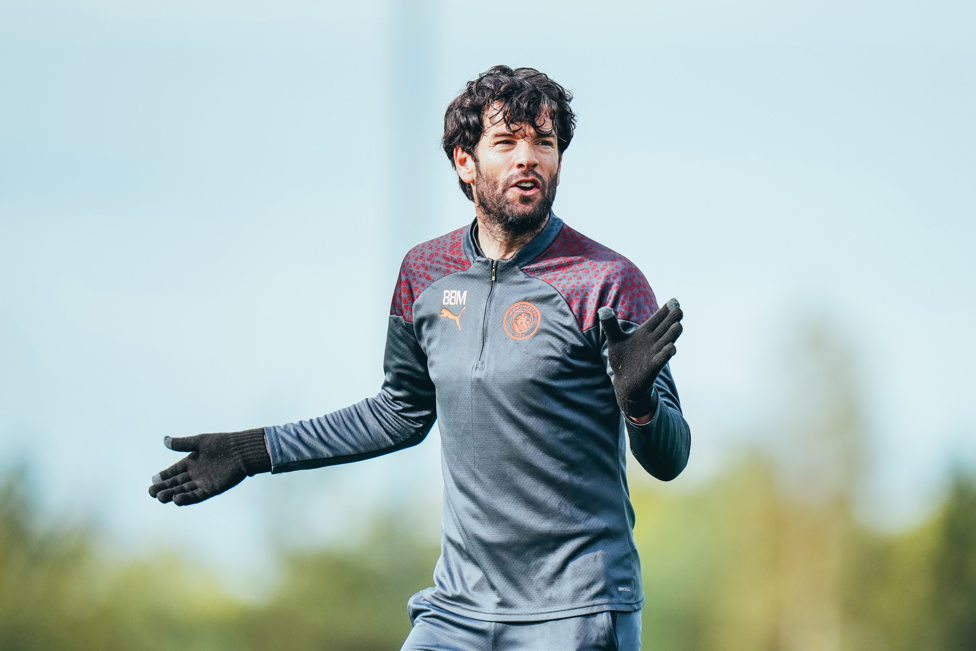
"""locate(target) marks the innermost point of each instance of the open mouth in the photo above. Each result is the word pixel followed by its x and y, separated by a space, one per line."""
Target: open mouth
pixel 527 185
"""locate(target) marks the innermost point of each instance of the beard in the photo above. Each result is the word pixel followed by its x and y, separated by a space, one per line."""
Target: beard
pixel 515 216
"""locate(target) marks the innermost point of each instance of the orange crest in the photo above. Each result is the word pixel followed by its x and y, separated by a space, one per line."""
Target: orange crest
pixel 522 321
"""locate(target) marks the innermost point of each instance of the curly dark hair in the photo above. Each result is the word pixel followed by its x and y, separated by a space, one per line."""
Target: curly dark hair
pixel 526 96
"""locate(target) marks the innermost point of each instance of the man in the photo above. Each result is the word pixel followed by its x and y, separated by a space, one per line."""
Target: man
pixel 507 332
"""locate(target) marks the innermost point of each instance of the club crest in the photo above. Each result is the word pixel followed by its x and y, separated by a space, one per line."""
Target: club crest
pixel 522 320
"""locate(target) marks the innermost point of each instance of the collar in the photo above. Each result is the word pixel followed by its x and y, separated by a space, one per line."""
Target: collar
pixel 522 257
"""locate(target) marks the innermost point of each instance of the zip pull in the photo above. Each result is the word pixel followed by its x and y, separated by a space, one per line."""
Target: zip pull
pixel 493 263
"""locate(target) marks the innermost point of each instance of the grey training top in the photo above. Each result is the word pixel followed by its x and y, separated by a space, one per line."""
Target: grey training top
pixel 510 357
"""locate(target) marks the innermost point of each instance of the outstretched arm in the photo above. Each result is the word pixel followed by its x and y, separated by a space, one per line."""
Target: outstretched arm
pixel 399 416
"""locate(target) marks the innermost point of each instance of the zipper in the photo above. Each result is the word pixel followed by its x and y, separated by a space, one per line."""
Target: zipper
pixel 484 325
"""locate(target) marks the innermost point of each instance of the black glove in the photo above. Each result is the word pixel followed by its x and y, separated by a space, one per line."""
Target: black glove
pixel 216 463
pixel 637 358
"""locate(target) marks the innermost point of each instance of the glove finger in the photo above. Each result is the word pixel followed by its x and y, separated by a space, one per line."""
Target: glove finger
pixel 164 496
pixel 654 365
pixel 169 494
pixel 193 497
pixel 608 319
pixel 663 357
pixel 672 333
pixel 174 470
pixel 673 316
pixel 175 482
pixel 662 313
pixel 183 444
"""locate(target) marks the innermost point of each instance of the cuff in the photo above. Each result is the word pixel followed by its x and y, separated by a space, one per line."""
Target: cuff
pixel 645 405
pixel 251 449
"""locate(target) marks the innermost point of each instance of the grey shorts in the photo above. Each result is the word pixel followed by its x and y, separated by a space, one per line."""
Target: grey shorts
pixel 435 629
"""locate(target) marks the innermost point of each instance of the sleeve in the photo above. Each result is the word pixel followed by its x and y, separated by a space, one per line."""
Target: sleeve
pixel 398 417
pixel 662 445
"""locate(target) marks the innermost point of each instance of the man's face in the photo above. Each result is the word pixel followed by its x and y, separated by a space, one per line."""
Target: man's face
pixel 515 174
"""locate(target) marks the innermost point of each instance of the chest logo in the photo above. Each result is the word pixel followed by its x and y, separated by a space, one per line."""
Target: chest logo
pixel 456 318
pixel 522 321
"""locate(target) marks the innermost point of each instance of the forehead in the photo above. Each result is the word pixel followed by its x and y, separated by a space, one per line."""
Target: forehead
pixel 494 122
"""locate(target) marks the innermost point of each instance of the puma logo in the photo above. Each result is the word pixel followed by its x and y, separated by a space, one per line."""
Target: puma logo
pixel 456 318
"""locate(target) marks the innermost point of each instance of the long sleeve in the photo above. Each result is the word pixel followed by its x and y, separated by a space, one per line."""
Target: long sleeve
pixel 399 416
pixel 662 445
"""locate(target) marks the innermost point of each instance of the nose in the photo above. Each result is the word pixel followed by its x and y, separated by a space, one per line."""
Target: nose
pixel 525 155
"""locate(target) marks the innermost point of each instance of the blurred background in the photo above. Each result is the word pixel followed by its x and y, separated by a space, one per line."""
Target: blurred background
pixel 202 210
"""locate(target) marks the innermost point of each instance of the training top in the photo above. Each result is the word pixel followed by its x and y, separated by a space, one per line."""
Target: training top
pixel 510 358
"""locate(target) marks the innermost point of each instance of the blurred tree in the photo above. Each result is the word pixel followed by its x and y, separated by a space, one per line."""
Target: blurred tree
pixel 38 607
pixel 823 436
pixel 346 599
pixel 778 535
pixel 953 603
pixel 766 557
pixel 56 592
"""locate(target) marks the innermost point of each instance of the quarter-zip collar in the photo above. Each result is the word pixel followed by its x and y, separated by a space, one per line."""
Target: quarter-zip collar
pixel 523 256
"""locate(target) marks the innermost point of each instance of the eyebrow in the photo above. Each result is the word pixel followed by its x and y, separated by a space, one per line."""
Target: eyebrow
pixel 515 134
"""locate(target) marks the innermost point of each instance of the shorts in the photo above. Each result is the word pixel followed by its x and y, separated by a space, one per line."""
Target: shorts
pixel 436 629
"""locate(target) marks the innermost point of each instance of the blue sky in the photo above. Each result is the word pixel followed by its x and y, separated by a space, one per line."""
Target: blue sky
pixel 203 206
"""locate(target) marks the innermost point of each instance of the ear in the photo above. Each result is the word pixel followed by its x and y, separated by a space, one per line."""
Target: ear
pixel 464 163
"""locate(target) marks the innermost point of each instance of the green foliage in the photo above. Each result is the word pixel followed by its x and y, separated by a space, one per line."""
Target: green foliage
pixel 953 598
pixel 346 599
pixel 740 566
pixel 767 557
pixel 735 565
pixel 56 592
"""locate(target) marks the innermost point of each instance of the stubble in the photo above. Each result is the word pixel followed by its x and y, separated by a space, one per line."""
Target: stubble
pixel 519 217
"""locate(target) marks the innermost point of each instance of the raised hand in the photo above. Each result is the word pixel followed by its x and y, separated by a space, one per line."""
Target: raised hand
pixel 216 463
pixel 638 357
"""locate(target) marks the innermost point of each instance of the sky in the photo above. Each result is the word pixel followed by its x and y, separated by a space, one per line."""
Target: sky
pixel 203 207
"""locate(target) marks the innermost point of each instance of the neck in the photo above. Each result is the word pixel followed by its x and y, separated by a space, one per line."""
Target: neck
pixel 497 243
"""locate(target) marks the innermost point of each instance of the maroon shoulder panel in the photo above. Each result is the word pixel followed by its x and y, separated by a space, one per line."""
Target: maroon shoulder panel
pixel 590 276
pixel 424 264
